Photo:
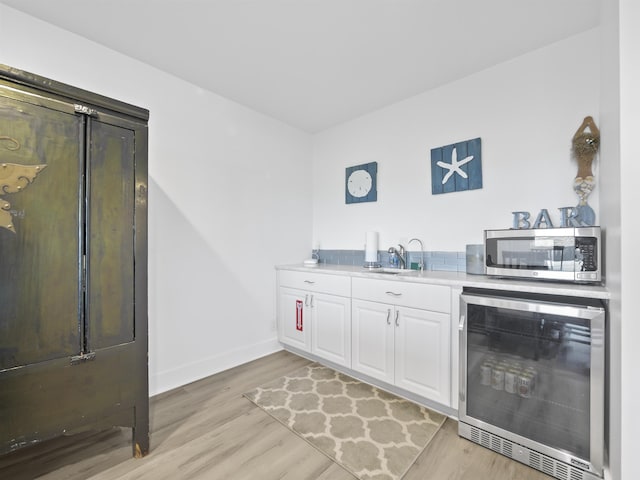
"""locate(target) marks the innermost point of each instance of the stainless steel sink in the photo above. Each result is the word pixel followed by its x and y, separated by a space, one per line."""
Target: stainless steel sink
pixel 394 271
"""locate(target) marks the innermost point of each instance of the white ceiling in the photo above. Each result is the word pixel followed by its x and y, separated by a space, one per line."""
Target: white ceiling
pixel 317 63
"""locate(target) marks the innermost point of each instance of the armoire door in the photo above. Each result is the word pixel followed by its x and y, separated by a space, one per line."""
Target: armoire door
pixel 110 233
pixel 115 326
pixel 40 204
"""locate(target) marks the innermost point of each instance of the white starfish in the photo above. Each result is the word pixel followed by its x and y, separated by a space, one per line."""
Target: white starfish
pixel 454 166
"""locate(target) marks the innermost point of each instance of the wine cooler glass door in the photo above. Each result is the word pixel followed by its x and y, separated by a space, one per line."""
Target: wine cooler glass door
pixel 535 369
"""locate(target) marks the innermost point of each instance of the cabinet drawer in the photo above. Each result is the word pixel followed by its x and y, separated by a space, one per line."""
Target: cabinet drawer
pixel 436 298
pixel 316 282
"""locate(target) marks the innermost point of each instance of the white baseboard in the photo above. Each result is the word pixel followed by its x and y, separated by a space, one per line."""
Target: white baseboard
pixel 184 374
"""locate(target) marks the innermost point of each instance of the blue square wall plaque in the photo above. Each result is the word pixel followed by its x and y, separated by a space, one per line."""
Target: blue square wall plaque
pixel 456 167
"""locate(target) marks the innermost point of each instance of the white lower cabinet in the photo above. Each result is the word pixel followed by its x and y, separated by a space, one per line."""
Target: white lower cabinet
pixel 422 353
pixel 314 321
pixel 293 325
pixel 404 346
pixel 398 332
pixel 331 328
pixel 373 347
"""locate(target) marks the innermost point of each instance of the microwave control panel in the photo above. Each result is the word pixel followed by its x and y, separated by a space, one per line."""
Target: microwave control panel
pixel 588 250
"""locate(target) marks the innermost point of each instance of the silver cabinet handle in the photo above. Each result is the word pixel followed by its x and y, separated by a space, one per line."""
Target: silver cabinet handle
pixel 397 315
pixel 309 282
pixel 306 300
pixel 394 294
pixel 311 301
pixel 388 316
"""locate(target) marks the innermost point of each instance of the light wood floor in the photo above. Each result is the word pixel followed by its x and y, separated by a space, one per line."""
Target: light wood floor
pixel 207 430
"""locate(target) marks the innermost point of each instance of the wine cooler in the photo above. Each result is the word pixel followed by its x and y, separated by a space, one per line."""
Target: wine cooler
pixel 532 379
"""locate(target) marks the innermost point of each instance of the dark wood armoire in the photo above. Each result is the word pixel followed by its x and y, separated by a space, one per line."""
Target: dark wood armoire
pixel 73 262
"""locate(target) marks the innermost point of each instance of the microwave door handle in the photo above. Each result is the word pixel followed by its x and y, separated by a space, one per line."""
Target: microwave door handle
pixel 561 251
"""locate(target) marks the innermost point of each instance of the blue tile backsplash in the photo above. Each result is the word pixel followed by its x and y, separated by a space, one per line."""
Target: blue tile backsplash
pixel 440 261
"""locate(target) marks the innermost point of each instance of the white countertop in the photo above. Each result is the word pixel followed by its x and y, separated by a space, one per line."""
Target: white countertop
pixel 457 279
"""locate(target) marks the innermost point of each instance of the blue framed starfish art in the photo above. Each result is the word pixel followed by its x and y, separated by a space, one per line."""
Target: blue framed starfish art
pixel 456 167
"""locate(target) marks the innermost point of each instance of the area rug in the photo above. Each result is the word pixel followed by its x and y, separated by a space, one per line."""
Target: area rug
pixel 372 434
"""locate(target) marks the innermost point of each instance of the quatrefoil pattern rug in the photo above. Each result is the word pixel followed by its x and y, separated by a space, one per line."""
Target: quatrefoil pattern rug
pixel 369 432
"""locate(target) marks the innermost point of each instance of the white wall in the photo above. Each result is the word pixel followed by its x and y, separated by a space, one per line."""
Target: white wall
pixel 221 181
pixel 610 208
pixel 629 201
pixel 526 112
pixel 620 171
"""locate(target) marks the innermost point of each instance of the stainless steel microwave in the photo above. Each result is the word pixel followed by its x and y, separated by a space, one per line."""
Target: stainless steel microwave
pixel 563 254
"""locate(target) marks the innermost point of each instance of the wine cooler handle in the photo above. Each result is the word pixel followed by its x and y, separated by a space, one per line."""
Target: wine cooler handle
pixel 462 381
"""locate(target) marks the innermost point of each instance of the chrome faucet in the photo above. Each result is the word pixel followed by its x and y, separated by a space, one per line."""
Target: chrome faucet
pixel 400 254
pixel 421 265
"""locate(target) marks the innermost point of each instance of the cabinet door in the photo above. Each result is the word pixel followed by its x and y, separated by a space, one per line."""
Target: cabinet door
pixel 331 328
pixel 40 256
pixel 422 353
pixel 294 319
pixel 111 290
pixel 372 340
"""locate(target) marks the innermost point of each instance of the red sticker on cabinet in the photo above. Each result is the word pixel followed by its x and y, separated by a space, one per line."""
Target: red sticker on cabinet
pixel 299 315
